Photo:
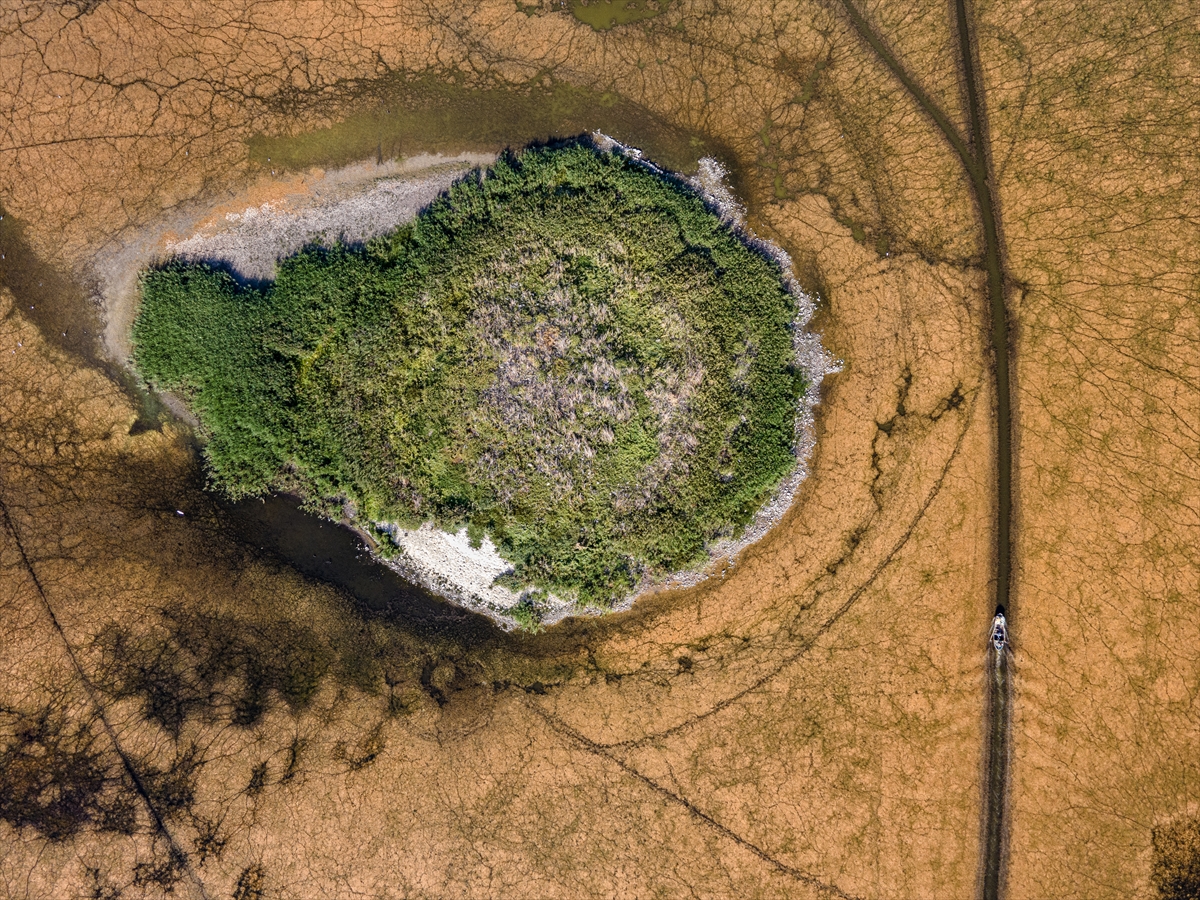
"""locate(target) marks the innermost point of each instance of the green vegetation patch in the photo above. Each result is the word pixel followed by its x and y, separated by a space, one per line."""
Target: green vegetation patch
pixel 605 14
pixel 568 353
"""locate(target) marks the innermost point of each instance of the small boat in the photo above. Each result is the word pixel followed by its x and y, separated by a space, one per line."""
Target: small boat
pixel 999 631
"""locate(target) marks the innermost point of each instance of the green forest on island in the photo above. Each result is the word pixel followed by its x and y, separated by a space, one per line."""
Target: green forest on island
pixel 569 353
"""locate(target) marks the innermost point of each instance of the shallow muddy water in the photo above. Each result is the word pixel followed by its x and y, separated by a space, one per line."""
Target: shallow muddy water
pixel 392 117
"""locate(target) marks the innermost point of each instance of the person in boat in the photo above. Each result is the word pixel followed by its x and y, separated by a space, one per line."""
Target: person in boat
pixel 999 630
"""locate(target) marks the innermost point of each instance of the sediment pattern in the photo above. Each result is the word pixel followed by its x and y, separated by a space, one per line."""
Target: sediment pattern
pixel 807 724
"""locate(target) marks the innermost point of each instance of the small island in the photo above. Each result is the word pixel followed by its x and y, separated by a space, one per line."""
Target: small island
pixel 569 361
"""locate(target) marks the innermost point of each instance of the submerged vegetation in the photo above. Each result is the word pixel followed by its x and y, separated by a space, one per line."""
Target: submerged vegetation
pixel 568 353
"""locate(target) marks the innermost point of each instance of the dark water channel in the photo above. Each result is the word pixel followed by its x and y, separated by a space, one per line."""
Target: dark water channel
pixel 996 764
pixel 325 551
pixel 329 552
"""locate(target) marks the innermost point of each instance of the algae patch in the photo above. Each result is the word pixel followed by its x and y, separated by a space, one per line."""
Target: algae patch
pixel 603 15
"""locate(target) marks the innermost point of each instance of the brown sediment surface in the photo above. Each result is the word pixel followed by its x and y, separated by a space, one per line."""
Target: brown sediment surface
pixel 971 145
pixel 807 725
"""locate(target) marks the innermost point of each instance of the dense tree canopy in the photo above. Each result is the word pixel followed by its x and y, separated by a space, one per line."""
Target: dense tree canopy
pixel 568 352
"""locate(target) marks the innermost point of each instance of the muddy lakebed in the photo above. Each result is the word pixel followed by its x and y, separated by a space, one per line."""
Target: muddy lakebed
pixel 196 705
pixel 471 558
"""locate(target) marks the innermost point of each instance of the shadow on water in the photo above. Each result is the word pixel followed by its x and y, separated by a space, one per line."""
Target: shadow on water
pixel 47 295
pixel 1176 867
pixel 329 552
pixel 61 309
